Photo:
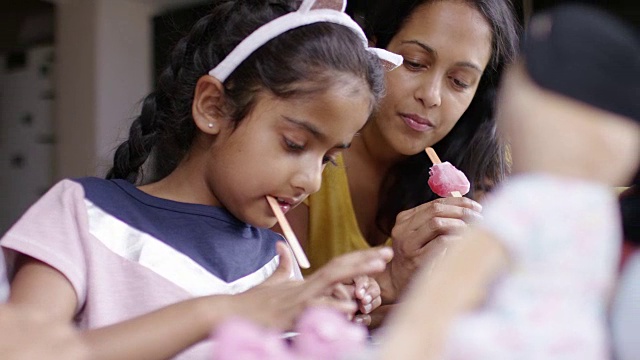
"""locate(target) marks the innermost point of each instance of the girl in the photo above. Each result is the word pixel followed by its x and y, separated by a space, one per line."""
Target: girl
pixel 258 98
pixel 534 279
pixel 443 96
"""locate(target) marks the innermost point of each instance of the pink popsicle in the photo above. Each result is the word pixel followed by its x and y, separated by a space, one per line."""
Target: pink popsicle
pixel 444 179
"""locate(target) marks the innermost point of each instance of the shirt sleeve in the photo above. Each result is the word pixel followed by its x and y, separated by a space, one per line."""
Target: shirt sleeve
pixel 52 231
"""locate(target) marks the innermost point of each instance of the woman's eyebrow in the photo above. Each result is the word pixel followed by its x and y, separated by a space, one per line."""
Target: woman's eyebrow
pixel 434 53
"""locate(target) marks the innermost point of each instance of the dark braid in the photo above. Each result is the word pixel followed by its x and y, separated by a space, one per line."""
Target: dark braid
pixel 164 132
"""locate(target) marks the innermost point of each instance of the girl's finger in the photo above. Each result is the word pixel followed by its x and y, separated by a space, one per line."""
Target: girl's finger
pixel 346 267
pixel 348 308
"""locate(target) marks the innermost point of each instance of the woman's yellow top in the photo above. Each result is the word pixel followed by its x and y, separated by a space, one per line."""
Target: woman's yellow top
pixel 333 228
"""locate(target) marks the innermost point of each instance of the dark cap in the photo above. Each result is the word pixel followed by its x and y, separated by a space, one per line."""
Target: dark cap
pixel 586 54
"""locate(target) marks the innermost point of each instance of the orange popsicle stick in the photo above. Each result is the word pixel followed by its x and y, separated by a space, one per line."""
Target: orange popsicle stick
pixel 436 160
pixel 288 234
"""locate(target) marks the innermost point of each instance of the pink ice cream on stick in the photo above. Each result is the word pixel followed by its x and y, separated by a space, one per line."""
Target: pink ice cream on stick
pixel 444 179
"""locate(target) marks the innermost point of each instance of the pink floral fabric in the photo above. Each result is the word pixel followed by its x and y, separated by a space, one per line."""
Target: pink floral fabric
pixel 563 239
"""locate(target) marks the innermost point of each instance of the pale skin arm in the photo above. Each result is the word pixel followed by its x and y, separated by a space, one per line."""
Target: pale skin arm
pixel 165 332
pixel 419 327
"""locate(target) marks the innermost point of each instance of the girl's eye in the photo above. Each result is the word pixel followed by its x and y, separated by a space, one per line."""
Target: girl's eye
pixel 293 145
pixel 329 159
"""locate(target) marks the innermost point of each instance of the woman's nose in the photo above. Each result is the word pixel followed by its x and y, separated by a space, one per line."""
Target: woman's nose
pixel 429 91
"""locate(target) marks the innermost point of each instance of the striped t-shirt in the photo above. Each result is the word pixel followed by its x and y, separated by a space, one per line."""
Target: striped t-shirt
pixel 128 253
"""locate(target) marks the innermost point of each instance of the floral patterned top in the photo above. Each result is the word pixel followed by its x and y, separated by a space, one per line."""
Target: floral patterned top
pixel 563 240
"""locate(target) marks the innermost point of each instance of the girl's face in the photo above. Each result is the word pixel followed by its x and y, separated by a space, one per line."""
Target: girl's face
pixel 281 148
pixel 446 46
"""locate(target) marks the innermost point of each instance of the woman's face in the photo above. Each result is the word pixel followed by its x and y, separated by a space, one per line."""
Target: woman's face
pixel 446 46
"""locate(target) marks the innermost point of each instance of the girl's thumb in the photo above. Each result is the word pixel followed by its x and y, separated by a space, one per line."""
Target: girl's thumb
pixel 285 266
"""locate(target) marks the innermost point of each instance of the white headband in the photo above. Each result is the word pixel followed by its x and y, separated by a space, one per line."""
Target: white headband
pixel 310 11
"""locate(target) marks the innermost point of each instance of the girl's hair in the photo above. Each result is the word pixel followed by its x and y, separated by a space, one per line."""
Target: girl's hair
pixel 300 62
pixel 472 145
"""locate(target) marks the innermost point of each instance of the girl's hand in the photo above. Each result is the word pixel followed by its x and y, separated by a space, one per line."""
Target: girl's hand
pixel 422 234
pixel 280 300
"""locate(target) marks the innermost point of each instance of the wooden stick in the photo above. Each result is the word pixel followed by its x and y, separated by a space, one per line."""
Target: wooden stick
pixel 436 160
pixel 288 234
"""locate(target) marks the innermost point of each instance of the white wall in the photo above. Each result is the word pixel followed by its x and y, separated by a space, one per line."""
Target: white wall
pixel 104 61
pixel 124 71
pixel 104 55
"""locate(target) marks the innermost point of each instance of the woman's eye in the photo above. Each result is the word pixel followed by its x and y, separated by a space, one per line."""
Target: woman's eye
pixel 329 159
pixel 412 65
pixel 460 84
pixel 291 145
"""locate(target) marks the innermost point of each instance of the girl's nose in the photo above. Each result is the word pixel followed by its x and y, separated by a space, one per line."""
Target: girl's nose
pixel 309 177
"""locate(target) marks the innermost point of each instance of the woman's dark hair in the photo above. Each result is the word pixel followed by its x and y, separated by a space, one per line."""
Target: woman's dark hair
pixel 300 62
pixel 472 145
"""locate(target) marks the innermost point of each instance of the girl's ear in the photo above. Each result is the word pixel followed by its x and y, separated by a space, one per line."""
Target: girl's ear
pixel 208 105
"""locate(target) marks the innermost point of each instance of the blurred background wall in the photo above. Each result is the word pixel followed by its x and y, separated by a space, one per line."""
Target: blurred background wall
pixel 72 74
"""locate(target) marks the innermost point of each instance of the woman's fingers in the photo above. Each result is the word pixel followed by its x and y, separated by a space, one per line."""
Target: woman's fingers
pixel 444 208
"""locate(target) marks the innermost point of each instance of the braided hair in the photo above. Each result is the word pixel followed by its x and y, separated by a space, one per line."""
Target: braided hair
pixel 311 55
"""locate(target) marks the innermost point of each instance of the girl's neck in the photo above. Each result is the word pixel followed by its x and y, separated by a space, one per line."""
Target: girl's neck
pixel 183 184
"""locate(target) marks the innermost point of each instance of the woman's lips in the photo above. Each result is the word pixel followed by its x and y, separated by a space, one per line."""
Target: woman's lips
pixel 416 122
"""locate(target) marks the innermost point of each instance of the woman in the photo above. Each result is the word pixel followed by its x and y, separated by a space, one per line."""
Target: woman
pixel 443 96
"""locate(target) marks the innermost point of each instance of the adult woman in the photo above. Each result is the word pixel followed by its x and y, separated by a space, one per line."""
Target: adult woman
pixel 454 52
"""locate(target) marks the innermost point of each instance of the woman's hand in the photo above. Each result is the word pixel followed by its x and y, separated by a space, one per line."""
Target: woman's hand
pixel 421 235
pixel 279 301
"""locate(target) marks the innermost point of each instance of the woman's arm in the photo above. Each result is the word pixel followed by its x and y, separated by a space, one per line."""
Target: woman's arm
pixel 456 282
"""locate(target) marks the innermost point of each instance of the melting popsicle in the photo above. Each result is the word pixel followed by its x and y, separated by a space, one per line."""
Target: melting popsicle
pixel 444 179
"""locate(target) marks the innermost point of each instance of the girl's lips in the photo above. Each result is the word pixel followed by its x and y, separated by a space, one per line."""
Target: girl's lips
pixel 416 123
pixel 284 205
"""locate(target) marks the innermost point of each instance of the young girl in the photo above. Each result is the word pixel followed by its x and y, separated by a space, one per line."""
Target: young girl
pixel 534 279
pixel 442 96
pixel 257 100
